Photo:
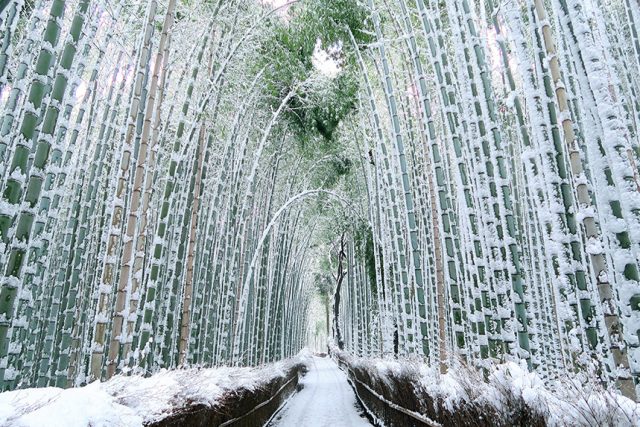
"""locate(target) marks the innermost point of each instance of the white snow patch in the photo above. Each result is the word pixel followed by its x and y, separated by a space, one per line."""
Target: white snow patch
pixel 132 401
pixel 327 61
pixel 326 400
pixel 576 401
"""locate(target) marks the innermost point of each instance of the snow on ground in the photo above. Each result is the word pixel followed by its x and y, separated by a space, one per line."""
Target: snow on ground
pixel 130 401
pixel 568 402
pixel 576 401
pixel 90 405
pixel 326 400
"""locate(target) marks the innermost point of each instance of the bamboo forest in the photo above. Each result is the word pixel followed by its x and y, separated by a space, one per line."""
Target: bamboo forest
pixel 204 196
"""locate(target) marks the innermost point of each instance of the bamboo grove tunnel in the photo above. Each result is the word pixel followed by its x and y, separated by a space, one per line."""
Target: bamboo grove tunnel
pixel 207 183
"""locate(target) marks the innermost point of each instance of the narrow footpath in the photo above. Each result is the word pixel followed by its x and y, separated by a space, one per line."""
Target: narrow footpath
pixel 326 400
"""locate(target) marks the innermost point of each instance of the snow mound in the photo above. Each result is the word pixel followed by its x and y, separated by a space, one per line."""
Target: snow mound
pixel 55 407
pixel 133 401
pixel 508 391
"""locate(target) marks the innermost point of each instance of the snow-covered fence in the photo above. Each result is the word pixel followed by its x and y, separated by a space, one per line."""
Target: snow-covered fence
pixel 408 393
pixel 382 410
pixel 242 407
pixel 224 396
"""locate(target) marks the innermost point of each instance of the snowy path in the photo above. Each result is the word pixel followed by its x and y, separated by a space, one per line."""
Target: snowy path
pixel 326 400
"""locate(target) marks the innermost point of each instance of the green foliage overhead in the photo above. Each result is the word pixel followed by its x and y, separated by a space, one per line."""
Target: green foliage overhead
pixel 330 173
pixel 319 104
